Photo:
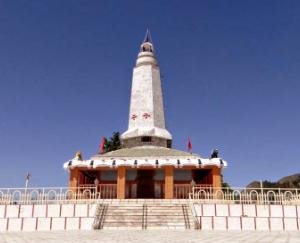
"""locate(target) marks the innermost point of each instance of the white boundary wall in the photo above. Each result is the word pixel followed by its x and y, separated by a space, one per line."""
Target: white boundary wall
pixel 248 217
pixel 45 217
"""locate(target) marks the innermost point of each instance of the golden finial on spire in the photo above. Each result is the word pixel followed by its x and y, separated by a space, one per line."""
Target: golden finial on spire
pixel 78 155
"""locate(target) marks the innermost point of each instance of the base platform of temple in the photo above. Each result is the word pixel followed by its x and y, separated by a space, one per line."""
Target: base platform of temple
pixel 218 209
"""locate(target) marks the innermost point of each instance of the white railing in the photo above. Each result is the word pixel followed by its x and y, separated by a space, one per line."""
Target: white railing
pixel 48 195
pixel 182 191
pixel 286 196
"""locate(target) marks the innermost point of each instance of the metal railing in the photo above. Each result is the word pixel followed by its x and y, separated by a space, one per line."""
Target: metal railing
pixel 108 191
pixel 205 194
pixel 48 195
pixel 193 211
pixel 285 196
pixel 182 191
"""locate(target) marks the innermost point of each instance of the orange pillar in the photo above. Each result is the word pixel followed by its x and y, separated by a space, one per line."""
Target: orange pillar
pixel 169 182
pixel 121 182
pixel 73 182
pixel 74 177
pixel 216 177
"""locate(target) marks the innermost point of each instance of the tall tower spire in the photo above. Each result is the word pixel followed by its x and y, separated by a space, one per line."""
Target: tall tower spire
pixel 146 124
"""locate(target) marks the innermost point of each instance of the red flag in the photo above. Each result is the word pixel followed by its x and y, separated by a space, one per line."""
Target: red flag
pixel 189 145
pixel 102 145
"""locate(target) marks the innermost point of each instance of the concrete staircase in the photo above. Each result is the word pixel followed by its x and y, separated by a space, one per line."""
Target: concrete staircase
pixel 144 214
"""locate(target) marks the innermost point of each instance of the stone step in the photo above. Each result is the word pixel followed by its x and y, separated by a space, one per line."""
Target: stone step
pixel 147 203
pixel 126 206
pixel 139 224
pixel 150 224
pixel 165 213
pixel 136 224
pixel 165 227
pixel 135 220
pixel 162 214
pixel 164 209
pixel 156 211
pixel 109 218
pixel 123 214
pixel 161 227
pixel 124 209
pixel 150 216
pixel 141 200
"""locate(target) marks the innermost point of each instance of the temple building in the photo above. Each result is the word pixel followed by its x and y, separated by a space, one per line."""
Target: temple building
pixel 146 166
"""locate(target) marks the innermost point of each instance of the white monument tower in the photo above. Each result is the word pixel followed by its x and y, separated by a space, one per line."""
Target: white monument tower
pixel 146 116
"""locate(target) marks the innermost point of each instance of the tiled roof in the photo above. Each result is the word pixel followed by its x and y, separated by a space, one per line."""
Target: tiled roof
pixel 145 151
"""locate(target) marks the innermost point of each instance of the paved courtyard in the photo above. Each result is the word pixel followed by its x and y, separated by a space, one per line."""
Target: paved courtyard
pixel 149 236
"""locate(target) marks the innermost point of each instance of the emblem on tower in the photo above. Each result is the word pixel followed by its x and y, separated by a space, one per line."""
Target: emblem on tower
pixel 134 116
pixel 146 115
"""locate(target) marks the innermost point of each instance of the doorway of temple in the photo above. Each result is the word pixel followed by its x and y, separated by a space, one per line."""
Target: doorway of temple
pixel 145 183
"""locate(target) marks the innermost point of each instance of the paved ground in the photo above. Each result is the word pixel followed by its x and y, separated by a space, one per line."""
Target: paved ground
pixel 139 236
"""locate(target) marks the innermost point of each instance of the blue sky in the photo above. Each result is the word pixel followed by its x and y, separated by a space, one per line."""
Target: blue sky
pixel 231 80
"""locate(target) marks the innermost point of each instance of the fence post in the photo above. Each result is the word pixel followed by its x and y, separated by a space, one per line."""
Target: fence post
pixel 43 194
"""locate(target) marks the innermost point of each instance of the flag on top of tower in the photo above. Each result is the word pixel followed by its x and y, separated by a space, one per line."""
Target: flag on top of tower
pixel 189 145
pixel 101 147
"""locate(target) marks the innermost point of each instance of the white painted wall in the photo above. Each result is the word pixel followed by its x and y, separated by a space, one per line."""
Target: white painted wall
pixel 67 210
pixel 29 224
pixel 290 211
pixel 72 224
pixel 222 210
pixel 81 210
pixel 290 224
pixel 206 223
pixel 248 217
pixel 26 211
pixel 2 211
pixel 220 223
pixel 54 210
pixel 58 223
pixel 235 210
pixel 211 217
pixel 234 223
pixel 249 210
pixel 14 224
pixel 39 211
pixel 12 211
pixel 208 210
pixel 43 224
pixel 86 223
pixel 3 225
pixel 248 223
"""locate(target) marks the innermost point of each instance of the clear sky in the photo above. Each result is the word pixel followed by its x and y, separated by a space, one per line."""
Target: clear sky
pixel 231 80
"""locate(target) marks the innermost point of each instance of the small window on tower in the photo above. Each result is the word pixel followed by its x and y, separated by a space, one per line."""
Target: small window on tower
pixel 146 139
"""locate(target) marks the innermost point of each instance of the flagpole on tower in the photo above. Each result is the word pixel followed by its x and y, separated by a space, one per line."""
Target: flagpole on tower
pixel 27 180
pixel 26 183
